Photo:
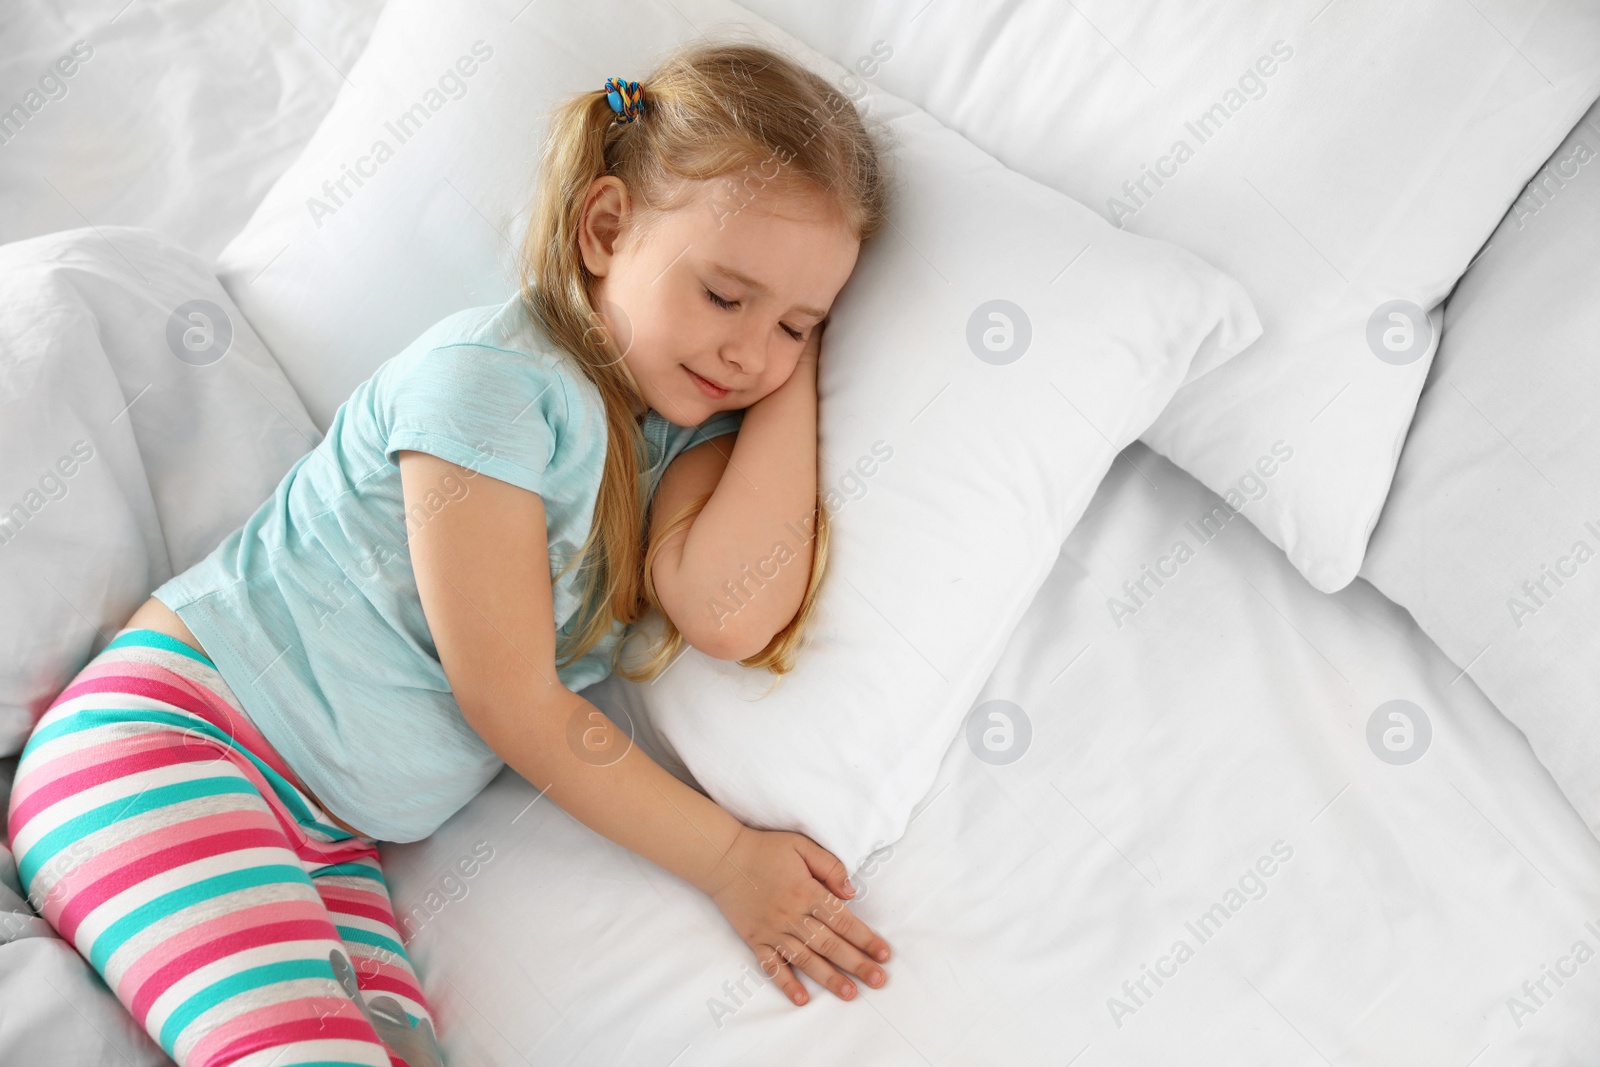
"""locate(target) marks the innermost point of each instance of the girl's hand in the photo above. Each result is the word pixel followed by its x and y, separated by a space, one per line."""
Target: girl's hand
pixel 813 349
pixel 781 900
pixel 803 379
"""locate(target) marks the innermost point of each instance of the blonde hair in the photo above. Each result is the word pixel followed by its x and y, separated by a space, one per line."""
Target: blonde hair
pixel 711 110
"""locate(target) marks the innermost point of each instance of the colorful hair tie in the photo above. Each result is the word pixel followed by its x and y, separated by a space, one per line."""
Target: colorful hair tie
pixel 625 98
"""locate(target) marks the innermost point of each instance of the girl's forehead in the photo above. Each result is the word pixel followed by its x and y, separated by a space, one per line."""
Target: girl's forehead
pixel 739 195
pixel 764 223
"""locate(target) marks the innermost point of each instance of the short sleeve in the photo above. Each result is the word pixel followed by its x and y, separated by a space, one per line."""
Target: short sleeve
pixel 723 422
pixel 496 412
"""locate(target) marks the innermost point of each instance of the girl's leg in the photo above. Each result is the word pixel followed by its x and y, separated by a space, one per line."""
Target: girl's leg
pixel 357 897
pixel 158 833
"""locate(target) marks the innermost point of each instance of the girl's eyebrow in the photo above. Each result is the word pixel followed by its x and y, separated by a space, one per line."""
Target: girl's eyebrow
pixel 744 279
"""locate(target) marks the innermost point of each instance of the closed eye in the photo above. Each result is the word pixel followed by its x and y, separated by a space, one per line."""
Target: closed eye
pixel 728 305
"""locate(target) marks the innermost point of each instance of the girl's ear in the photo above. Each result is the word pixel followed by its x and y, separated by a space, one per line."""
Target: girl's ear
pixel 604 207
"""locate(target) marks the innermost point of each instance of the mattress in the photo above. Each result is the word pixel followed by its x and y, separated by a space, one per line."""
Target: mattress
pixel 1253 824
pixel 1177 754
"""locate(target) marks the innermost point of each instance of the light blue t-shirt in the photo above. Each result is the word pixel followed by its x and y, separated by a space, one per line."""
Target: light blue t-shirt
pixel 310 609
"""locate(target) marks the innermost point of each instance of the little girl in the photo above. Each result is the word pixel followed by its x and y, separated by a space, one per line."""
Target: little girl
pixel 198 811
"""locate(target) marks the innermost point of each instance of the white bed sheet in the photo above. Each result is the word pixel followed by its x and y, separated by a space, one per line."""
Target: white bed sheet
pixel 180 118
pixel 1167 756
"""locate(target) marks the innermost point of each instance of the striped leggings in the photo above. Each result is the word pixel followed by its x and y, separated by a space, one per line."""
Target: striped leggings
pixel 168 842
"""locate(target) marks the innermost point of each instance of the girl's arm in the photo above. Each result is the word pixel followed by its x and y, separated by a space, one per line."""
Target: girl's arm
pixel 483 573
pixel 482 565
pixel 737 575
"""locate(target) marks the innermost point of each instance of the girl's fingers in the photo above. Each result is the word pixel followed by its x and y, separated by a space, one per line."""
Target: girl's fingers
pixel 826 868
pixel 781 974
pixel 801 955
pixel 853 930
pixel 831 942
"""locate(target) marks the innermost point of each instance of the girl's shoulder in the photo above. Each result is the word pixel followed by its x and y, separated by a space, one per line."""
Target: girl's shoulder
pixel 488 381
pixel 499 345
pixel 503 327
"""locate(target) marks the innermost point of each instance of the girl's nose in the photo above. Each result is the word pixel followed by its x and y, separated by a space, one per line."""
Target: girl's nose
pixel 745 353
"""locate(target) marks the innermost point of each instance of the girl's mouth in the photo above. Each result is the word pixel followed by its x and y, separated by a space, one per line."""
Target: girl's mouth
pixel 710 389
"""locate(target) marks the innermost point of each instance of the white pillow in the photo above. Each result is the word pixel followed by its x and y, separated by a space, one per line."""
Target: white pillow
pixel 955 471
pixel 1361 153
pixel 141 420
pixel 1491 535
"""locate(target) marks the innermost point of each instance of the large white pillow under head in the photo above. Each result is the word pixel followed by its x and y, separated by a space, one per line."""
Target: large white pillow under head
pixel 1345 161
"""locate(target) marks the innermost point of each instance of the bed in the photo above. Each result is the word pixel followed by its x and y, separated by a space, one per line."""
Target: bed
pixel 1213 769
